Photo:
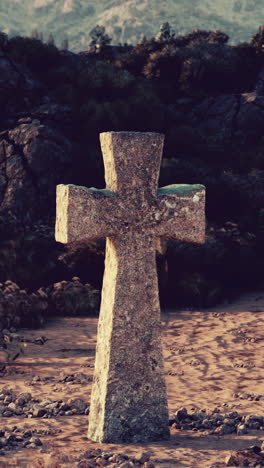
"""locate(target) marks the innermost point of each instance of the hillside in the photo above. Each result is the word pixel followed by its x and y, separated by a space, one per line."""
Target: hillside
pixel 128 20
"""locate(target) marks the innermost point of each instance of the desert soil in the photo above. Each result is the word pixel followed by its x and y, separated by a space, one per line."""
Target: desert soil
pixel 210 355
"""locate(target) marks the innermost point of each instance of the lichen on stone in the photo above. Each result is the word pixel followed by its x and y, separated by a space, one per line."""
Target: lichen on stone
pixel 182 190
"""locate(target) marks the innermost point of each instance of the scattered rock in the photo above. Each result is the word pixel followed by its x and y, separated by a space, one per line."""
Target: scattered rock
pixel 77 404
pixel 215 423
pixel 24 405
pixel 97 458
pixel 15 438
pixel 142 457
pixel 75 378
pixel 181 414
pixel 23 399
pixel 251 457
pixel 242 429
pixel 231 460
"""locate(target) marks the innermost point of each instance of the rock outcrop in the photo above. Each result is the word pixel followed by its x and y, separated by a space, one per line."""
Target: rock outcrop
pixel 34 158
pixel 217 123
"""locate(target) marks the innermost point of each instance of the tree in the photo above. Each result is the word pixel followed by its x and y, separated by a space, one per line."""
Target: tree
pixel 37 35
pixel 257 39
pixel 51 40
pixel 165 33
pixel 100 39
pixel 3 39
pixel 65 44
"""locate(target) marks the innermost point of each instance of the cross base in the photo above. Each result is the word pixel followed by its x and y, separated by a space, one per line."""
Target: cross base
pixel 129 402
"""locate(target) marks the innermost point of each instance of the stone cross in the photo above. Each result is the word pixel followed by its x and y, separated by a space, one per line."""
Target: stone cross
pixel 129 402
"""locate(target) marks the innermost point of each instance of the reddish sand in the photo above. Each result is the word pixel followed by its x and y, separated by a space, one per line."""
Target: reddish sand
pixel 203 353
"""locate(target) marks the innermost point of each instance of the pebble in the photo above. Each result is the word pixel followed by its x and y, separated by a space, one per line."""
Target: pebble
pixel 24 405
pixel 242 429
pixel 248 396
pixel 250 457
pixel 96 458
pixel 142 457
pixel 215 422
pixel 15 438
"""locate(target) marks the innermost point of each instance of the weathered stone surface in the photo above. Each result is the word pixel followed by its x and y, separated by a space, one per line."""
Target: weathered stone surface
pixel 129 400
pixel 34 157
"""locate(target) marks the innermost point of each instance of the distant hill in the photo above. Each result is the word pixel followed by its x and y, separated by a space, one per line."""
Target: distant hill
pixel 128 20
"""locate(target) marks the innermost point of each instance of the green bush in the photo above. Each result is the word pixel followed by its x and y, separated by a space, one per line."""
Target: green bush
pixel 18 308
pixel 73 298
pixel 33 53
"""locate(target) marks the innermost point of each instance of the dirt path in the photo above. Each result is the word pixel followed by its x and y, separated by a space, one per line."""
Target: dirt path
pixel 209 357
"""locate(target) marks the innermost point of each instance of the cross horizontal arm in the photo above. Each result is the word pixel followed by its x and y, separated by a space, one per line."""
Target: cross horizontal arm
pixel 84 213
pixel 181 213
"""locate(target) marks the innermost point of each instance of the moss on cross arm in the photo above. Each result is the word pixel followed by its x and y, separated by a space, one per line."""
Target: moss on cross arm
pixel 183 190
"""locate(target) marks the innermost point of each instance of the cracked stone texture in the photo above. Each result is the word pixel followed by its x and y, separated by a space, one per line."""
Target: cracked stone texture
pixel 33 159
pixel 217 124
pixel 129 402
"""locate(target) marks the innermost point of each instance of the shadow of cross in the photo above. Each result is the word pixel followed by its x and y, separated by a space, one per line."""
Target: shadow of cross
pixel 129 401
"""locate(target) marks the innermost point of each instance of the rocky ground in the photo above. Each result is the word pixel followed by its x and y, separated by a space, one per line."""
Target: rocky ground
pixel 214 373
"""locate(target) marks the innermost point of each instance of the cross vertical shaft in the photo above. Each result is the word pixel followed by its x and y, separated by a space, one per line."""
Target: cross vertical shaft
pixel 129 401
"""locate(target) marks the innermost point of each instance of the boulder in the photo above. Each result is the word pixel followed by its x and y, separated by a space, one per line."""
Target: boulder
pixel 34 158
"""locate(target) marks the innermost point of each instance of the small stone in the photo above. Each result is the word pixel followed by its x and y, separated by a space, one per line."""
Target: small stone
pixel 254 425
pixel 101 461
pixel 36 378
pixel 32 446
pixel 44 403
pixel 12 406
pixel 77 404
pixel 126 464
pixel 36 441
pixel 8 399
pixel 142 457
pixel 181 414
pixel 53 406
pixel 26 443
pixel 234 415
pixel 23 399
pixel 254 449
pixel 38 412
pixel 207 424
pixel 8 413
pixel 65 406
pixel 224 429
pixel 186 427
pixel 3 442
pixel 242 429
pixel 231 460
pixel 86 464
pixel 114 459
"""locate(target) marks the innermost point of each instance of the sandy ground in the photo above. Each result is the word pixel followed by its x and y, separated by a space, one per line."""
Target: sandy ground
pixel 203 352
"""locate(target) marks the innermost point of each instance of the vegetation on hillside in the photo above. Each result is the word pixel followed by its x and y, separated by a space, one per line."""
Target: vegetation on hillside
pixel 148 87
